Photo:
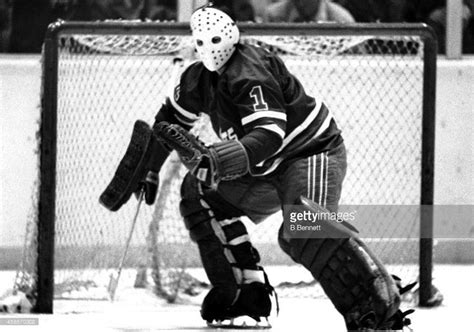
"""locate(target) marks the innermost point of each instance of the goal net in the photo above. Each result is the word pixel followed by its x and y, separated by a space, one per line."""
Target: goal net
pixel 98 78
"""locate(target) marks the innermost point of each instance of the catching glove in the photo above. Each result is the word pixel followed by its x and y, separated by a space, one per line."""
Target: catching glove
pixel 221 161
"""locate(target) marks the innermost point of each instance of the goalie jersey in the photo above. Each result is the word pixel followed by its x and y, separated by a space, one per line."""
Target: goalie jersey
pixel 255 91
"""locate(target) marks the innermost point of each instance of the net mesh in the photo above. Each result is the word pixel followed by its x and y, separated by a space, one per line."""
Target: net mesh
pixel 372 85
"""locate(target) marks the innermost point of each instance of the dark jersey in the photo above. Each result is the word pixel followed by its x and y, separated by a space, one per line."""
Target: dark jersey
pixel 256 90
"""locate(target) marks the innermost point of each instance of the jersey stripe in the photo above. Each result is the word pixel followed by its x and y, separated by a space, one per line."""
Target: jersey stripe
pixel 298 130
pixel 263 114
pixel 186 122
pixel 188 115
pixel 178 69
pixel 273 128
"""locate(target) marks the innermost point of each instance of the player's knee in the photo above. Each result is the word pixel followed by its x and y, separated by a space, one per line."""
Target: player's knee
pixel 199 229
pixel 298 249
pixel 189 188
pixel 287 244
pixel 306 251
pixel 197 217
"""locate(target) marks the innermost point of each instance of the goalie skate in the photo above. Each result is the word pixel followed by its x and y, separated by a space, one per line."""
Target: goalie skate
pixel 250 311
pixel 241 323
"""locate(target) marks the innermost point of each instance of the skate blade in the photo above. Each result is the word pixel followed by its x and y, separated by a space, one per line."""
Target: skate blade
pixel 241 323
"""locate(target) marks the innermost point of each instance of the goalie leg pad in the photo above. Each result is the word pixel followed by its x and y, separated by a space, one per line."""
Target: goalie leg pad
pixel 131 169
pixel 353 278
pixel 197 219
pixel 228 257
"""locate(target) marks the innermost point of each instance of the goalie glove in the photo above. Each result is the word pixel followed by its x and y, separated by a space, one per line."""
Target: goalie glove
pixel 223 161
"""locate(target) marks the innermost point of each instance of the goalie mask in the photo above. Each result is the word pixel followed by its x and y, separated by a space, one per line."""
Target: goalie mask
pixel 215 36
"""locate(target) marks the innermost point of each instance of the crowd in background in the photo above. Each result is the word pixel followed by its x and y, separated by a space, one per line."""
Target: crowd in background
pixel 23 22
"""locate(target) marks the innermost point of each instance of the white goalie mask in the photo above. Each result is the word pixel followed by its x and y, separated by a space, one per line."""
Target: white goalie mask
pixel 215 36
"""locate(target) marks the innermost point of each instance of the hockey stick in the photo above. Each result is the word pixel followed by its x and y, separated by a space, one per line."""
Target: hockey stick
pixel 114 278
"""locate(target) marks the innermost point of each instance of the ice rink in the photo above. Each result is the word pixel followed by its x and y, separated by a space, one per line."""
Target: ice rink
pixel 140 310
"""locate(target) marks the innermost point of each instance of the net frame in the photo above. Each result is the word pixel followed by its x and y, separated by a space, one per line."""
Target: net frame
pixel 48 130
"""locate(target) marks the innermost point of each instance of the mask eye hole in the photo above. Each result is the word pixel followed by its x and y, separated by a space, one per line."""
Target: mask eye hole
pixel 199 42
pixel 216 40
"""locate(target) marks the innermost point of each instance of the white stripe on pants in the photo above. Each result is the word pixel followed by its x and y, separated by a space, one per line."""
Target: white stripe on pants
pixel 318 178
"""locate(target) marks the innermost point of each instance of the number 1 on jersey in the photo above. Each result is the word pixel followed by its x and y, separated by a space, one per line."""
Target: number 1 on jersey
pixel 257 94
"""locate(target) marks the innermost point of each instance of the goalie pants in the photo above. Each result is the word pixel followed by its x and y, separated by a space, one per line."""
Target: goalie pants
pixel 318 177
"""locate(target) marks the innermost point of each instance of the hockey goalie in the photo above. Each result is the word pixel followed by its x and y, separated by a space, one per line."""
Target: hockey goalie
pixel 279 147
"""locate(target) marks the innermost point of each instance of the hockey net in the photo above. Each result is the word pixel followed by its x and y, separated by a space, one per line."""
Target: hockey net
pixel 100 77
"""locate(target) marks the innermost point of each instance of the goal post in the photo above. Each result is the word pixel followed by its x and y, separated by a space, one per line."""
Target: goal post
pixel 98 77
